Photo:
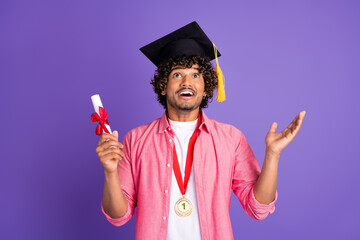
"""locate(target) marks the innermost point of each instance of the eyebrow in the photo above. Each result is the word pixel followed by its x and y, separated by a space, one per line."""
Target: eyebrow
pixel 183 68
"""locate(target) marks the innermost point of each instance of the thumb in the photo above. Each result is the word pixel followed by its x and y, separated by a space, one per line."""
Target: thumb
pixel 273 127
pixel 115 134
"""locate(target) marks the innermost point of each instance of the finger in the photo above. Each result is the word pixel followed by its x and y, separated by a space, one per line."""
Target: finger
pixel 295 126
pixel 111 156
pixel 287 133
pixel 109 150
pixel 299 122
pixel 109 144
pixel 292 126
pixel 273 127
pixel 302 114
pixel 112 142
pixel 300 117
pixel 104 137
pixel 116 134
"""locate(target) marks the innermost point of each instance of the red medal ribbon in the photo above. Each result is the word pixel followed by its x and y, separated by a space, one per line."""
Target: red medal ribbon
pixel 102 119
pixel 189 161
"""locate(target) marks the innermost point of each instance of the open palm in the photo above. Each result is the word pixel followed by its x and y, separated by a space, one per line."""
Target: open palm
pixel 276 142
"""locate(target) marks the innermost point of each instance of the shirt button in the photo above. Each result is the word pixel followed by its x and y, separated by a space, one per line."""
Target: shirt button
pixel 170 140
pixel 168 164
pixel 164 217
pixel 166 191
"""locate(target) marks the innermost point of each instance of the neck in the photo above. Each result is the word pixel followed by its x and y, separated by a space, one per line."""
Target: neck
pixel 183 116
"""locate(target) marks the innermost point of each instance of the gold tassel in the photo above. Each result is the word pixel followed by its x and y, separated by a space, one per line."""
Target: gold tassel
pixel 221 79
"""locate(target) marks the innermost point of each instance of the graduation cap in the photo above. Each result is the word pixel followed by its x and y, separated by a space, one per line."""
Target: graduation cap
pixel 189 40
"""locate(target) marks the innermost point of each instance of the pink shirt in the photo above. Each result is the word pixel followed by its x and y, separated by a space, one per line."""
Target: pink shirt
pixel 223 161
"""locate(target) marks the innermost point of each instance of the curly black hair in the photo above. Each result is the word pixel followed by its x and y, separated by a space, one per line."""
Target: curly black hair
pixel 161 75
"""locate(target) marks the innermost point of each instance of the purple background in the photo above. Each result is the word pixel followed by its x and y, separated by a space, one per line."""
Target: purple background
pixel 278 57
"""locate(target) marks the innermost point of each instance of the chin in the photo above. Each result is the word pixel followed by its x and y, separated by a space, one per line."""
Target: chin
pixel 186 107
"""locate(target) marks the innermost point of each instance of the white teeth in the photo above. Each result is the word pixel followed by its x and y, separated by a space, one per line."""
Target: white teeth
pixel 186 92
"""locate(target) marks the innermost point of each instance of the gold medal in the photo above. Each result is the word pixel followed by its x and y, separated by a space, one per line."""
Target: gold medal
pixel 183 207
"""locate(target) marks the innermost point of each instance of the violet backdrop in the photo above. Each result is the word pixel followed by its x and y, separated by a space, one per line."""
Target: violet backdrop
pixel 278 58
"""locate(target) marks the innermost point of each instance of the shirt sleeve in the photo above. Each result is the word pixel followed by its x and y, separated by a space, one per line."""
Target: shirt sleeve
pixel 126 179
pixel 246 172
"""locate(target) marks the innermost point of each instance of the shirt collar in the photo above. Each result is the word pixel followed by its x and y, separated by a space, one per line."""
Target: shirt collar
pixel 164 124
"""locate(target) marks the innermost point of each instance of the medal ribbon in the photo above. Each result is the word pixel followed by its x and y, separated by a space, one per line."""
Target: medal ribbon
pixel 189 161
pixel 102 119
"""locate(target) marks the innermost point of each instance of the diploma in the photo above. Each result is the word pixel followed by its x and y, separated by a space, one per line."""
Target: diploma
pixel 97 105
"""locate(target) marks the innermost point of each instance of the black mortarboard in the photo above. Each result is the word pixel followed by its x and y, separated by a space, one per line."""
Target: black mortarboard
pixel 189 40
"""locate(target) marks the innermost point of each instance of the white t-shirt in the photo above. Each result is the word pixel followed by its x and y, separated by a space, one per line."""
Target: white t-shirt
pixel 180 228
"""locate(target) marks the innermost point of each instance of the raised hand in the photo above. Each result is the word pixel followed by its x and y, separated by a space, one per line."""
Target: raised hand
pixel 276 142
pixel 110 152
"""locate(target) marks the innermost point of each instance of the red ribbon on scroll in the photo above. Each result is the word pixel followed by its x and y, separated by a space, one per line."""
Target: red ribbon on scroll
pixel 102 119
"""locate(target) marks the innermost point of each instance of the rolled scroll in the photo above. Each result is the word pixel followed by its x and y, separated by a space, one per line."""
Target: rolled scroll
pixel 100 115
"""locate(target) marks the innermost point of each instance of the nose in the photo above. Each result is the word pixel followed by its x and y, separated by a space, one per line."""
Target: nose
pixel 186 81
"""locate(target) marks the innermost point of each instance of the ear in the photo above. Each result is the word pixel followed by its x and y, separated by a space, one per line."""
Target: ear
pixel 163 92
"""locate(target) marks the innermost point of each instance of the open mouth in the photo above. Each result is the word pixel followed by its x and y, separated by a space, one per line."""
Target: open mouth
pixel 186 93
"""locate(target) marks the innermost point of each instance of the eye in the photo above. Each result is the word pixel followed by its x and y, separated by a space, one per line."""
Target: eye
pixel 176 75
pixel 196 75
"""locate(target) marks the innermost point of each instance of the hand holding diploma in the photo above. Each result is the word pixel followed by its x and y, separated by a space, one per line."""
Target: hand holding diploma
pixel 109 149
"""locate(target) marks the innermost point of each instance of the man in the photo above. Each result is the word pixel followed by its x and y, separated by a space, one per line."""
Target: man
pixel 179 169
